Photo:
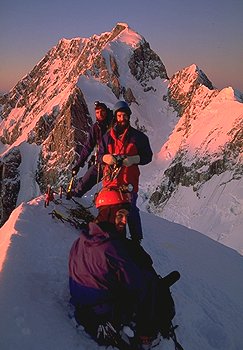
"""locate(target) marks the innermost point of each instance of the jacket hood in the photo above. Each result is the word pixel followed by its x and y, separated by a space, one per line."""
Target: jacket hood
pixel 99 233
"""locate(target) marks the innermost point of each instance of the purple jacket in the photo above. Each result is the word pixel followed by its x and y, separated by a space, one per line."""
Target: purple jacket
pixel 94 139
pixel 103 266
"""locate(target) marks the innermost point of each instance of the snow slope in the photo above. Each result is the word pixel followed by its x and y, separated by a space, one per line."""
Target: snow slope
pixel 34 291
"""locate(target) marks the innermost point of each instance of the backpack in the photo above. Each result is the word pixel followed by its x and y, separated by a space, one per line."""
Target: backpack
pixel 107 331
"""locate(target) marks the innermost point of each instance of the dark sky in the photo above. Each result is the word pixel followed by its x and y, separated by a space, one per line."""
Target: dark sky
pixel 208 33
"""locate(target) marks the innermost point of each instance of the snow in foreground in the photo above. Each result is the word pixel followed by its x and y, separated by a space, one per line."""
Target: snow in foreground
pixel 34 291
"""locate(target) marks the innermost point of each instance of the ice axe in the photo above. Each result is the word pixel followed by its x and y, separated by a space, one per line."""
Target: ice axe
pixel 70 186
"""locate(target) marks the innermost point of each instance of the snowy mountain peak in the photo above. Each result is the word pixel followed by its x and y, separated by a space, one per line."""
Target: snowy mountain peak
pixel 127 35
pixel 52 108
pixel 195 130
pixel 190 91
pixel 122 24
pixel 230 94
pixel 190 76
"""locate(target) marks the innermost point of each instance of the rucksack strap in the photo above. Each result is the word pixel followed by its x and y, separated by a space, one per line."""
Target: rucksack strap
pixel 174 338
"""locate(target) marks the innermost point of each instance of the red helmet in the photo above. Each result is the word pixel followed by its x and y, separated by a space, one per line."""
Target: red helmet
pixel 112 197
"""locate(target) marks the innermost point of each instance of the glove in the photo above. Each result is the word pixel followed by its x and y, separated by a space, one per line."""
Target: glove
pixel 130 160
pixel 75 170
pixel 109 159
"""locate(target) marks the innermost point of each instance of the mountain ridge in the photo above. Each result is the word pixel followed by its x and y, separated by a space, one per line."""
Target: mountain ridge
pixel 34 294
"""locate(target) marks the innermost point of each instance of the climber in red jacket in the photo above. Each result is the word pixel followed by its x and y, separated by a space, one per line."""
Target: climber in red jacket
pixel 122 149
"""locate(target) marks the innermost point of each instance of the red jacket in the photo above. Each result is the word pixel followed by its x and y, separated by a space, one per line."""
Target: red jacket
pixel 132 142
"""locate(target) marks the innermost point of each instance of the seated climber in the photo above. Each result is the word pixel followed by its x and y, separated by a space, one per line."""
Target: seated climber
pixel 112 281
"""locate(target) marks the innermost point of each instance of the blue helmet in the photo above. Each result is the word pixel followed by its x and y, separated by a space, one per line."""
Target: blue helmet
pixel 122 105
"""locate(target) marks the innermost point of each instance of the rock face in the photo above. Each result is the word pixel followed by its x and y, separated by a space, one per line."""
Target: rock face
pixel 9 183
pixel 47 107
pixel 146 65
pixel 186 87
pixel 58 149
